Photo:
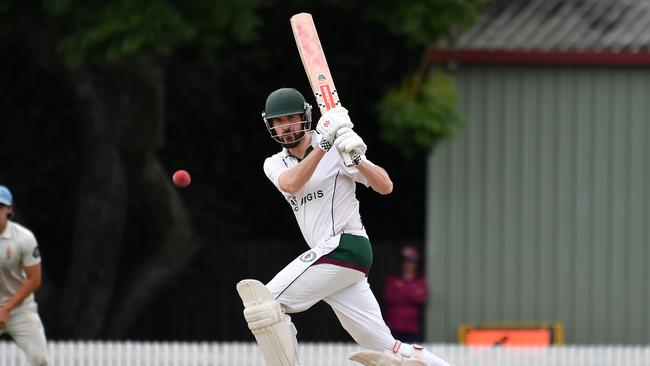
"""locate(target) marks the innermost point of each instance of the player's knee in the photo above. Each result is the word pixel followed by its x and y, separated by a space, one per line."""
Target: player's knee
pixel 296 308
pixel 263 315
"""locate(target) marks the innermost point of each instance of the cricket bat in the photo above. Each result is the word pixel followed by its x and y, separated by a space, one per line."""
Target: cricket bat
pixel 318 73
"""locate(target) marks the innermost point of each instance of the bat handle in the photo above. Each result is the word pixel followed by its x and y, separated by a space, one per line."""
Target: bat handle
pixel 347 159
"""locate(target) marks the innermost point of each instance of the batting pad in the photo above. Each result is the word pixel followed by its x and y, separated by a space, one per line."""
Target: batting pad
pixel 275 337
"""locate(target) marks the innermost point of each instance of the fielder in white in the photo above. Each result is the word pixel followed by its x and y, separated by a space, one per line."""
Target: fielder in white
pixel 20 277
pixel 320 189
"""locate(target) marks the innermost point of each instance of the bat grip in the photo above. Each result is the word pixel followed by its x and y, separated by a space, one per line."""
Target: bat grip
pixel 347 159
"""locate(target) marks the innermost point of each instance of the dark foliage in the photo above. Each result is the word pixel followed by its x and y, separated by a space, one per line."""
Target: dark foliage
pixel 213 92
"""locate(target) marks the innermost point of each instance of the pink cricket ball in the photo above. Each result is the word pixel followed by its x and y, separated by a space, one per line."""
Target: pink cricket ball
pixel 181 178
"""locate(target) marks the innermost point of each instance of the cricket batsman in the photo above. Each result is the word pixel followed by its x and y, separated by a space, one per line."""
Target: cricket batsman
pixel 20 277
pixel 320 189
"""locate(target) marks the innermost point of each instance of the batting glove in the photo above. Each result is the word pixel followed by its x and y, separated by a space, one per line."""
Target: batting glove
pixel 350 142
pixel 331 121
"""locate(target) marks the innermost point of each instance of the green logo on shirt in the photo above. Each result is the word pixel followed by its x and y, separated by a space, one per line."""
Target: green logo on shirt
pixel 308 257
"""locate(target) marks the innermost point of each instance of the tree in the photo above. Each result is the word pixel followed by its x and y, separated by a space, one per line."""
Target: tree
pixel 423 109
pixel 112 54
pixel 131 71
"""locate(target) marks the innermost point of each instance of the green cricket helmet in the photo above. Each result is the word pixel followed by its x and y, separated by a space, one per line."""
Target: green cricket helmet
pixel 286 102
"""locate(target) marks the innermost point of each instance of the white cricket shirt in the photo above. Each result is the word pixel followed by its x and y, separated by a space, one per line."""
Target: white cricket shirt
pixel 18 249
pixel 327 204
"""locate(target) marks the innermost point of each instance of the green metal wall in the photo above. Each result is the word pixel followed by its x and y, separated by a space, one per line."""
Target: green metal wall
pixel 540 209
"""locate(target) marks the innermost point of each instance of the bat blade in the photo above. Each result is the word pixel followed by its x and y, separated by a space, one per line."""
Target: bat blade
pixel 315 64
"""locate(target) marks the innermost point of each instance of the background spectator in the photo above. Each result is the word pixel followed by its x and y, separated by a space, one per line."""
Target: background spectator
pixel 404 297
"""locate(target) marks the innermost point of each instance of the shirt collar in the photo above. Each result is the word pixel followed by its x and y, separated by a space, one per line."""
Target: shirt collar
pixel 315 139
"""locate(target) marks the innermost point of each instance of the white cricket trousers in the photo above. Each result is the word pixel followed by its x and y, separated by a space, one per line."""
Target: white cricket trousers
pixel 26 329
pixel 348 293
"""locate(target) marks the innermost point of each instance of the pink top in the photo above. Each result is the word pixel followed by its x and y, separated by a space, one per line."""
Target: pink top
pixel 404 300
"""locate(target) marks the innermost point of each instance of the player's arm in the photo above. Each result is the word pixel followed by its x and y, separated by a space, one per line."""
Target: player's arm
pixel 418 295
pixel 292 180
pixel 350 142
pixel 377 177
pixel 31 284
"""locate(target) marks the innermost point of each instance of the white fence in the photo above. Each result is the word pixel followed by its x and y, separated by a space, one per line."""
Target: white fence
pixel 315 354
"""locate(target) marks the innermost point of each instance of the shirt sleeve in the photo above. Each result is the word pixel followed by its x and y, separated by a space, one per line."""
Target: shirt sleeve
pixel 29 255
pixel 274 166
pixel 354 173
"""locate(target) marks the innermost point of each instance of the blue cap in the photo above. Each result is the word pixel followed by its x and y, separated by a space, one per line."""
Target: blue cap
pixel 5 196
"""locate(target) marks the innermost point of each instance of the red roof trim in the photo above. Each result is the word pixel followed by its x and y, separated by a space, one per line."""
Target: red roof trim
pixel 469 56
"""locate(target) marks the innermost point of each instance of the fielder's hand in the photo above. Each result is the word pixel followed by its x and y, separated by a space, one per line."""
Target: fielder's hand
pixel 350 142
pixel 331 121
